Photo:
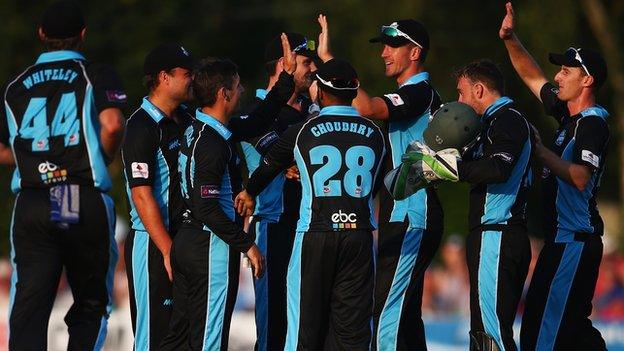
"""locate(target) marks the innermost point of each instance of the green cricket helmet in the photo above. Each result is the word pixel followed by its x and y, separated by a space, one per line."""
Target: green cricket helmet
pixel 454 125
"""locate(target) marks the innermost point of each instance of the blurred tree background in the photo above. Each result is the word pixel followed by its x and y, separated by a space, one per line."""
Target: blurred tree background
pixel 121 33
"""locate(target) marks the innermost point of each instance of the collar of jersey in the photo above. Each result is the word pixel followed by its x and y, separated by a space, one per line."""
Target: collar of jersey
pixel 60 55
pixel 595 111
pixel 261 93
pixel 500 102
pixel 415 79
pixel 339 111
pixel 213 123
pixel 151 109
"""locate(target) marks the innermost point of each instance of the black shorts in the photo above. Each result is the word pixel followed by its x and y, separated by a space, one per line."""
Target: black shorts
pixel 40 250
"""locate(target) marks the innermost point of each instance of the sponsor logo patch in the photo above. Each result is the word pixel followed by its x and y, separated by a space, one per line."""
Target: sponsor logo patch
pixel 344 220
pixel 395 99
pixel 139 170
pixel 116 96
pixel 588 156
pixel 51 173
pixel 210 191
pixel 504 156
pixel 560 138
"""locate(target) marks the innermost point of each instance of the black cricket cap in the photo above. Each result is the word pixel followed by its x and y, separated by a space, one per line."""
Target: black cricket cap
pixel 62 19
pixel 337 75
pixel 168 56
pixel 588 60
pixel 412 28
pixel 298 43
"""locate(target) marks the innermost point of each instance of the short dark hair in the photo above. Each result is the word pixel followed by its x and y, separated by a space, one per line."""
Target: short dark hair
pixel 212 75
pixel 345 97
pixel 53 44
pixel 484 71
pixel 151 82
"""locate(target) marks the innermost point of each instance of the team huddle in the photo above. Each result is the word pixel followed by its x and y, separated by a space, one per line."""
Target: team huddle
pixel 307 163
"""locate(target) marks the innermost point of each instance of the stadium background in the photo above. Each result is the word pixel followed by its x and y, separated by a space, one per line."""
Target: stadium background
pixel 121 32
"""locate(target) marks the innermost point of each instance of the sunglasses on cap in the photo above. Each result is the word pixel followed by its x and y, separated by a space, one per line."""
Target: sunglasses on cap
pixel 393 31
pixel 344 83
pixel 574 54
pixel 306 45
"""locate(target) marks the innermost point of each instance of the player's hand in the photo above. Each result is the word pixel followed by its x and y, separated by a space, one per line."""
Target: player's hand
pixel 312 90
pixel 292 173
pixel 537 142
pixel 256 260
pixel 323 45
pixel 244 204
pixel 290 61
pixel 507 26
pixel 167 262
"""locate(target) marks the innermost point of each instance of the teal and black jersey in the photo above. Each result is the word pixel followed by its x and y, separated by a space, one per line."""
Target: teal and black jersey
pixel 282 196
pixel 410 108
pixel 51 121
pixel 498 166
pixel 150 158
pixel 339 155
pixel 580 139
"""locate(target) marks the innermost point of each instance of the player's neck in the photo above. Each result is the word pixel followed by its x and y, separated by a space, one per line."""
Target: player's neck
pixel 217 112
pixel 581 102
pixel 165 104
pixel 411 71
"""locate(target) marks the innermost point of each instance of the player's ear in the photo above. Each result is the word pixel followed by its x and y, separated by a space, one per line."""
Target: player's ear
pixel 83 34
pixel 587 81
pixel 41 34
pixel 478 90
pixel 223 92
pixel 415 53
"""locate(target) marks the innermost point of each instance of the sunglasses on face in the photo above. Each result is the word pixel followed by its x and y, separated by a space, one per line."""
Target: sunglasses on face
pixel 574 53
pixel 393 31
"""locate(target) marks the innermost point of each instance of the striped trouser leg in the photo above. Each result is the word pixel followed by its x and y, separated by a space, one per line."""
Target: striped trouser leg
pixel 403 256
pixel 558 302
pixel 497 263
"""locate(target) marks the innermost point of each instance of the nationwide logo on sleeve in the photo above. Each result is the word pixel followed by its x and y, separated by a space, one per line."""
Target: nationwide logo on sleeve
pixel 116 96
pixel 139 170
pixel 395 99
pixel 210 191
pixel 560 138
pixel 504 156
pixel 589 156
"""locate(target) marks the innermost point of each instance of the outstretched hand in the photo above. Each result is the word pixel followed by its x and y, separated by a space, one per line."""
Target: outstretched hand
pixel 323 45
pixel 507 26
pixel 290 61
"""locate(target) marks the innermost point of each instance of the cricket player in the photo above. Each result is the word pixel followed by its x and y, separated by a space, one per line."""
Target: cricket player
pixel 558 303
pixel 150 158
pixel 331 270
pixel 63 122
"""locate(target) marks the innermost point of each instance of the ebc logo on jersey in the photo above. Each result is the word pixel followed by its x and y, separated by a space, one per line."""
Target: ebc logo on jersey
pixel 51 173
pixel 343 220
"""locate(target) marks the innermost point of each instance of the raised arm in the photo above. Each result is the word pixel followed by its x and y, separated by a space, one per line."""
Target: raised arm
pixel 522 61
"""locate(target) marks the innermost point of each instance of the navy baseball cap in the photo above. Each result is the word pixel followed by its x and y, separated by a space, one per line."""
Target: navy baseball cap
pixel 337 75
pixel 589 60
pixel 62 19
pixel 298 43
pixel 402 32
pixel 168 56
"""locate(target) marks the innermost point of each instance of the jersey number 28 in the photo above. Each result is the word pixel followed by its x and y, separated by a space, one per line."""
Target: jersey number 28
pixel 358 178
